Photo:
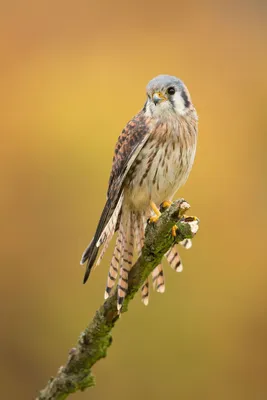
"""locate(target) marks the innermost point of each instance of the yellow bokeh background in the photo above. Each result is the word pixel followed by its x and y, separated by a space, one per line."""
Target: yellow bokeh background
pixel 72 74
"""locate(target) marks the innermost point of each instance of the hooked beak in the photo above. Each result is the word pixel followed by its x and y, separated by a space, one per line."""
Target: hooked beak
pixel 158 97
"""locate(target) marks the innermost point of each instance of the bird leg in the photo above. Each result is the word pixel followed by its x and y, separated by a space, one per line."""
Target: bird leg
pixel 154 218
pixel 166 204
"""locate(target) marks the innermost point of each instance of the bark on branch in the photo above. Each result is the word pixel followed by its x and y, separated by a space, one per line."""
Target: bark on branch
pixel 96 338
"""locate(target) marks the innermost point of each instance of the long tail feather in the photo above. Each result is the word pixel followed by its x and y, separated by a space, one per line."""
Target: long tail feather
pixel 93 251
pixel 126 258
pixel 186 243
pixel 174 259
pixel 104 249
pixel 114 265
pixel 158 279
pixel 139 243
pixel 111 225
pixel 145 292
pixel 90 248
pixel 105 231
pixel 87 252
pixel 139 230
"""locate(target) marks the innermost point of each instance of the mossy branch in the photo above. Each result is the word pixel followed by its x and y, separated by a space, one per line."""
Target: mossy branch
pixel 96 338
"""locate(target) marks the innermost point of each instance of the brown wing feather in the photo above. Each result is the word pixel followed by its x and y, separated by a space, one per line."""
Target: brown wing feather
pixel 130 140
pixel 129 144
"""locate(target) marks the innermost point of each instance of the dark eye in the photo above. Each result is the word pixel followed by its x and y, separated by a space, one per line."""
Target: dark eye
pixel 171 90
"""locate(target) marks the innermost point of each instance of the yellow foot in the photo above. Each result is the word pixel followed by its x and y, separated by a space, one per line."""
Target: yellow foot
pixel 155 208
pixel 153 219
pixel 166 204
pixel 174 230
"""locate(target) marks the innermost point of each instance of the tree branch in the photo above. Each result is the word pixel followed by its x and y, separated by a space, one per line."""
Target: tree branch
pixel 96 338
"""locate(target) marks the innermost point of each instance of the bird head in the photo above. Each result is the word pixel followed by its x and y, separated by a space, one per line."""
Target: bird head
pixel 167 95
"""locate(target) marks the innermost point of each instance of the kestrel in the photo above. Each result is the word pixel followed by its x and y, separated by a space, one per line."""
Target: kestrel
pixel 153 158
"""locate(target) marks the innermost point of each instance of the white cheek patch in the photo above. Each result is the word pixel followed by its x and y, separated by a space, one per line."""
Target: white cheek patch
pixel 162 109
pixel 179 103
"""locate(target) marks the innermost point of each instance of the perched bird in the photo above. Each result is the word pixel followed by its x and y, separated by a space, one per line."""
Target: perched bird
pixel 153 157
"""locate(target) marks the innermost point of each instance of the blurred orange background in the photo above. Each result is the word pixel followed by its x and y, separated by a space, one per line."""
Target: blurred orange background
pixel 72 74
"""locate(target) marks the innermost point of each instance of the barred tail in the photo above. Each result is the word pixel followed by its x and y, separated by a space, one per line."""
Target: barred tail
pixel 139 232
pixel 145 293
pixel 174 259
pixel 126 257
pixel 114 265
pixel 131 233
pixel 175 262
pixel 140 226
pixel 158 279
pixel 186 243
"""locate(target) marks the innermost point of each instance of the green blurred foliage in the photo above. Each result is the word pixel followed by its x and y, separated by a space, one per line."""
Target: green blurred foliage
pixel 72 74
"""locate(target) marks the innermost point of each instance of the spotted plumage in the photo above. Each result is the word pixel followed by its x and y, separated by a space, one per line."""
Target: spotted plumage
pixel 153 158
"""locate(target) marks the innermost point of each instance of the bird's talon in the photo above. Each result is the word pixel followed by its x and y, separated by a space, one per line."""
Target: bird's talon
pixel 153 219
pixel 174 230
pixel 166 204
